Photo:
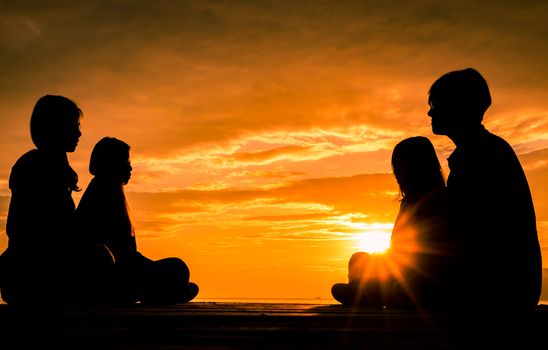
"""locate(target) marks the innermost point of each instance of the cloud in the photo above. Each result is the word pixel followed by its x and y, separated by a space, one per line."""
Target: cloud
pixel 275 174
pixel 168 77
pixel 296 217
pixel 270 110
pixel 196 87
pixel 271 155
pixel 526 129
pixel 17 33
pixel 360 191
pixel 535 160
pixel 313 209
pixel 536 170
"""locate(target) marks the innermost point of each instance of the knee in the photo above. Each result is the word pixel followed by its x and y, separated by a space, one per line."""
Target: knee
pixel 358 258
pixel 339 288
pixel 175 265
pixel 356 266
pixel 182 268
pixel 343 293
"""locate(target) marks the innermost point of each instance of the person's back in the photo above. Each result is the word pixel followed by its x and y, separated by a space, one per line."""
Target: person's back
pixel 418 249
pixel 492 212
pixel 102 218
pixel 490 207
pixel 40 217
pixel 39 226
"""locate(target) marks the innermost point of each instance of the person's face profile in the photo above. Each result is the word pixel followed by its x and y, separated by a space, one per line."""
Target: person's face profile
pixel 442 119
pixel 123 167
pixel 127 171
pixel 72 136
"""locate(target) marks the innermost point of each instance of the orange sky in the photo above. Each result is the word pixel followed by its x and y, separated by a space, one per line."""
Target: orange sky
pixel 261 131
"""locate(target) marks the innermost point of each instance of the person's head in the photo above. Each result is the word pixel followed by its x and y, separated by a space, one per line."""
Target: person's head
pixel 55 124
pixel 110 160
pixel 416 166
pixel 458 100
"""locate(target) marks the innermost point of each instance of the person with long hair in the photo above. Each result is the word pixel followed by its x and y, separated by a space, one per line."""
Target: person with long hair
pixel 410 272
pixel 103 217
pixel 45 261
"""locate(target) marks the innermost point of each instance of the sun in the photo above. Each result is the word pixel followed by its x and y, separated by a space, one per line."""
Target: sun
pixel 375 241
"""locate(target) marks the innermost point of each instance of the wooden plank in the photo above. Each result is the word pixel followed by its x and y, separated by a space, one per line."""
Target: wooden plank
pixel 207 325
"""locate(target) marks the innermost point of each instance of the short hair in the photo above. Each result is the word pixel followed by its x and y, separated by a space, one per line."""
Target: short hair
pixel 50 119
pixel 107 155
pixel 465 90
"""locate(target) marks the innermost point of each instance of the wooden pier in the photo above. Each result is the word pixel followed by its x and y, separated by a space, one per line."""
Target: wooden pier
pixel 212 325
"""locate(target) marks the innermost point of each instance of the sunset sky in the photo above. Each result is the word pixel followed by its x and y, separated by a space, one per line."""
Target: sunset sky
pixel 261 131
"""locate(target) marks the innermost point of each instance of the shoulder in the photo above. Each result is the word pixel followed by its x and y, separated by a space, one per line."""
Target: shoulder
pixel 497 145
pixel 87 201
pixel 430 204
pixel 98 196
pixel 88 195
pixel 499 154
pixel 31 157
pixel 430 207
pixel 25 168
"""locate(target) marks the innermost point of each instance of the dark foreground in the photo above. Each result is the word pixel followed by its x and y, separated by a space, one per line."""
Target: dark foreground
pixel 208 325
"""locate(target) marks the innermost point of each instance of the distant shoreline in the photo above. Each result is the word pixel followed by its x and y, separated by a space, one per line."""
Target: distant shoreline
pixel 273 300
pixel 268 300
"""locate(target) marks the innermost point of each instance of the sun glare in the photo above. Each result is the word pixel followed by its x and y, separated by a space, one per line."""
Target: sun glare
pixel 372 241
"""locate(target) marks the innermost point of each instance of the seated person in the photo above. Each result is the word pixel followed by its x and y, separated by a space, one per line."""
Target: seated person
pixel 103 217
pixel 410 272
pixel 46 263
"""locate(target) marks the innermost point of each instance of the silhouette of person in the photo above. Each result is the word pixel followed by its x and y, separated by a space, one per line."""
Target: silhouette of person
pixel 103 217
pixel 45 261
pixel 408 274
pixel 491 213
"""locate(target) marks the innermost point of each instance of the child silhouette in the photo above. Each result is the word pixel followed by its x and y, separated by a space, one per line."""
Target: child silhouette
pixel 47 262
pixel 409 273
pixel 103 217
